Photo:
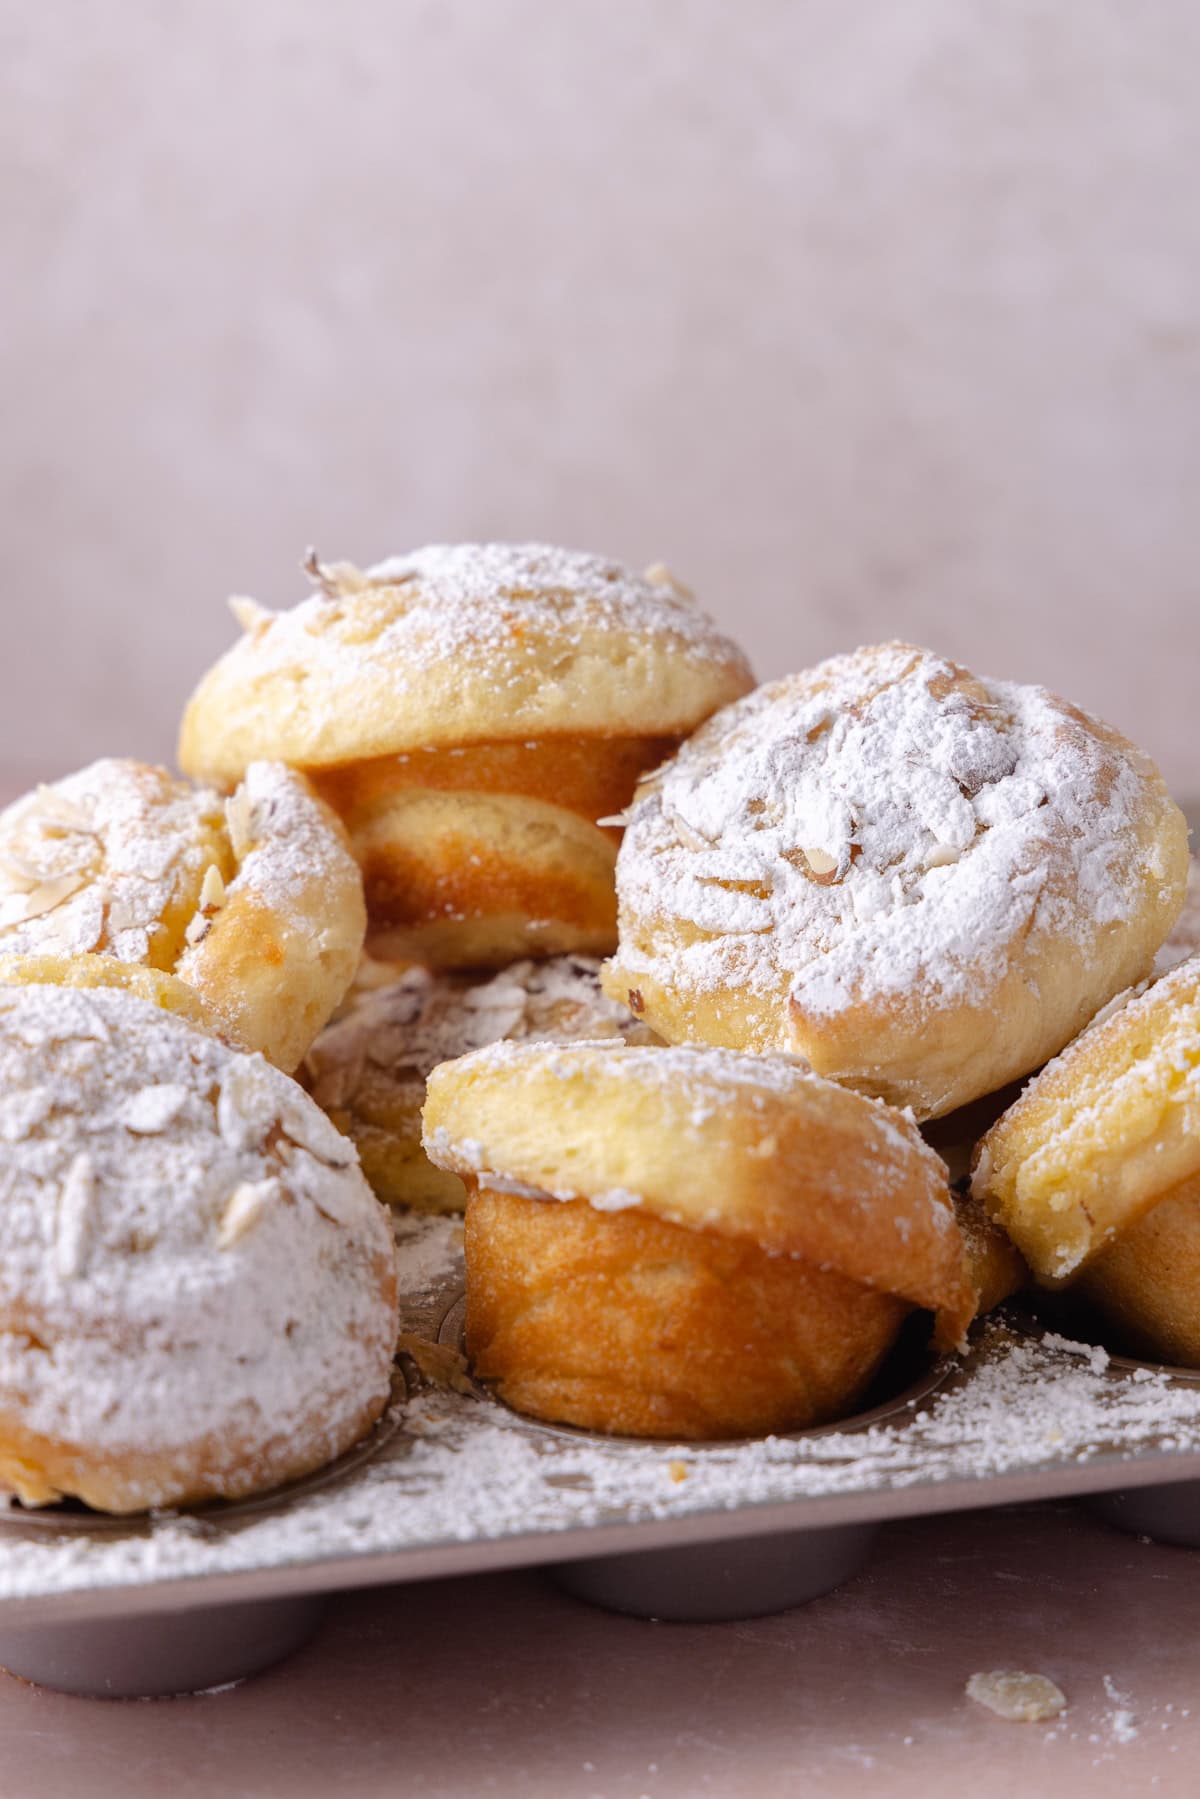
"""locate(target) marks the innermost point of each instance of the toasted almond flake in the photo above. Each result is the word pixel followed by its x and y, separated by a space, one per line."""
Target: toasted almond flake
pixel 239 818
pixel 659 575
pixel 153 1109
pixel 244 1209
pixel 616 819
pixel 677 1470
pixel 820 861
pixel 49 895
pixel 197 930
pixel 73 1226
pixel 212 889
pixel 335 578
pixel 56 808
pixel 18 872
pixel 248 613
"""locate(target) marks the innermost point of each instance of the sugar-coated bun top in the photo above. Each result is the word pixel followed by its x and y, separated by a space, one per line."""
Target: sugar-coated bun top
pixel 458 644
pixel 924 881
pixel 193 1271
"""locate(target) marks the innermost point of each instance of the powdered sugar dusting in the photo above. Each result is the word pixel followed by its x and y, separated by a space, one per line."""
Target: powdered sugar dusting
pixel 880 826
pixel 469 589
pixel 211 1234
pixel 93 863
pixel 480 603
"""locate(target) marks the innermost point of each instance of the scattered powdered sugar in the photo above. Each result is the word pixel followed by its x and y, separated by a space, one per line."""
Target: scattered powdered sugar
pixel 428 1249
pixel 464 1471
pixel 880 825
pixel 186 1240
pixel 93 862
pixel 1120 1719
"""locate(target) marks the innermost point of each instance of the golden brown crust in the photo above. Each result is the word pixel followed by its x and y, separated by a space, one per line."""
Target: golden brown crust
pixel 996 1266
pixel 752 1148
pixel 464 880
pixel 593 776
pixel 1103 1133
pixel 282 948
pixel 479 855
pixel 1147 1283
pixel 625 1323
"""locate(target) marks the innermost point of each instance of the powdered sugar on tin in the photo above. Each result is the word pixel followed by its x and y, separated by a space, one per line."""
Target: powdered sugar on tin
pixel 464 1475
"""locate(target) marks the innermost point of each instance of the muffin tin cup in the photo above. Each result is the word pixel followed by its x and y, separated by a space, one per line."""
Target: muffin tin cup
pixel 711 1583
pixel 1169 1513
pixel 749 1577
pixel 152 1655
pixel 160 1654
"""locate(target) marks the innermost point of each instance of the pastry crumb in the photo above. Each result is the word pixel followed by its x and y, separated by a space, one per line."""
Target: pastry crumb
pixel 438 1363
pixel 1021 1698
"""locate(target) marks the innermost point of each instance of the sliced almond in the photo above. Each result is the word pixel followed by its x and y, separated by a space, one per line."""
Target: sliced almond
pixel 57 809
pixel 820 861
pixel 659 575
pixel 244 1209
pixel 50 895
pixel 18 875
pixel 212 889
pixel 334 578
pixel 248 613
pixel 75 1217
pixel 239 818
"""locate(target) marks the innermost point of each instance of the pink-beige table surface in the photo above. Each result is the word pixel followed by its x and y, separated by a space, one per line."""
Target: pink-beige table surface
pixel 503 1685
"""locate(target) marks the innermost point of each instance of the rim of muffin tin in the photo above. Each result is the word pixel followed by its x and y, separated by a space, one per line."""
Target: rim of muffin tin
pixel 71 1517
pixel 450 1334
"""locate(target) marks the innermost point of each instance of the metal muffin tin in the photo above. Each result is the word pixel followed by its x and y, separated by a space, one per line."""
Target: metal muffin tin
pixel 453 1483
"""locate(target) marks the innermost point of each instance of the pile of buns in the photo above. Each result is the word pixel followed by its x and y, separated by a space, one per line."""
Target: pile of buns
pixel 706 1180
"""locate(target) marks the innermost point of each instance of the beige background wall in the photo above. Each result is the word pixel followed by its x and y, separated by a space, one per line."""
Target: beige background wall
pixel 871 318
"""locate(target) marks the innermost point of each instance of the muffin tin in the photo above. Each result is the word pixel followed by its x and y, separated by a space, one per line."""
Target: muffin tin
pixel 453 1483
